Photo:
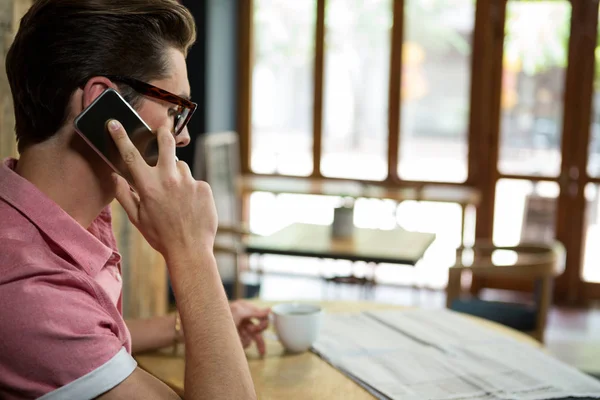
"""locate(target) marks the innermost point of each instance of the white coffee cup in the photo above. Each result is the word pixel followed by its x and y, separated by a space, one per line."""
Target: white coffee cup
pixel 297 325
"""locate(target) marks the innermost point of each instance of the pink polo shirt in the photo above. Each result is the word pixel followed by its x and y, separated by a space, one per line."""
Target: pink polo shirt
pixel 61 331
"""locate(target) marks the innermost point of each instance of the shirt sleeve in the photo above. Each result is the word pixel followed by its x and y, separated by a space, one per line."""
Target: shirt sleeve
pixel 59 340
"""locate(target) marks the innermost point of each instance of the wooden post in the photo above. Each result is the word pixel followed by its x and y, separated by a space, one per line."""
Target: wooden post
pixel 319 73
pixel 394 93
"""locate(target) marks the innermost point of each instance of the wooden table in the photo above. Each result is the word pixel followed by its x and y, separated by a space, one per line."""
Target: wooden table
pixel 304 376
pixel 461 195
pixel 396 246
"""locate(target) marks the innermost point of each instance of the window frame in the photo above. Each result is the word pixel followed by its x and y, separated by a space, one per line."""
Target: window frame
pixel 483 124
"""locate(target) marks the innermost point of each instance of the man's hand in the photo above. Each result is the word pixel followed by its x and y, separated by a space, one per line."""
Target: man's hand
pixel 250 321
pixel 175 213
pixel 177 216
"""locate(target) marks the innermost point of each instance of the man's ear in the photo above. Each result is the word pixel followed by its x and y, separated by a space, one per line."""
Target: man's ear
pixel 93 88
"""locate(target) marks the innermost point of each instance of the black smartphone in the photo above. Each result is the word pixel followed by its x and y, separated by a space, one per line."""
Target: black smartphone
pixel 91 125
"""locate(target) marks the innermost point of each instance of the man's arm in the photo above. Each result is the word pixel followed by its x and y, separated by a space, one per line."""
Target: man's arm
pixel 140 385
pixel 152 333
pixel 177 215
pixel 215 350
pixel 158 332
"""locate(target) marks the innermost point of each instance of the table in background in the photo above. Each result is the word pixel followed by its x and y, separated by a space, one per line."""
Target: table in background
pixel 373 246
pixel 294 376
pixel 395 246
pixel 461 195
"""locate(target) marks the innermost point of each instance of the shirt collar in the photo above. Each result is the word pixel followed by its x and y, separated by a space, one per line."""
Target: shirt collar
pixel 84 248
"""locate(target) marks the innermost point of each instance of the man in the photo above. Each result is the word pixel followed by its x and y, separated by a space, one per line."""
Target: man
pixel 63 336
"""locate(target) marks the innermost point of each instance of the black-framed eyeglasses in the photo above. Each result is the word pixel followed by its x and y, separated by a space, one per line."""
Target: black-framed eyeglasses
pixel 185 107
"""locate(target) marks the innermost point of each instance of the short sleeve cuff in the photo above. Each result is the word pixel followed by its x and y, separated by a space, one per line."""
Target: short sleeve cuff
pixel 99 381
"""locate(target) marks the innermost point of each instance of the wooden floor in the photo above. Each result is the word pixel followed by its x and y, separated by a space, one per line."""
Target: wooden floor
pixel 573 335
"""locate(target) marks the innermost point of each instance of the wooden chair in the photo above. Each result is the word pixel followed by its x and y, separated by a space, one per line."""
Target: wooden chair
pixel 540 263
pixel 217 162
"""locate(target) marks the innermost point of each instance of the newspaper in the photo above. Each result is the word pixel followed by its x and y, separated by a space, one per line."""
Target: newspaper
pixel 440 355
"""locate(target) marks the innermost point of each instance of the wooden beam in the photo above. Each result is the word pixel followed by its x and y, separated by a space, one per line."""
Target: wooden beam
pixel 593 180
pixel 318 74
pixel 480 88
pixel 586 74
pixel 484 119
pixel 579 87
pixel 569 126
pixel 532 178
pixel 395 92
pixel 384 183
pixel 485 111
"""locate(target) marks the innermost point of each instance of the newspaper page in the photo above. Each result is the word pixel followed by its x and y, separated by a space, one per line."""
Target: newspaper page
pixel 440 355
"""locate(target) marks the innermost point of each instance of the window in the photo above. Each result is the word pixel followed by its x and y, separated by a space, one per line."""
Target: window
pixel 438 92
pixel 535 59
pixel 525 211
pixel 436 81
pixel 357 61
pixel 282 86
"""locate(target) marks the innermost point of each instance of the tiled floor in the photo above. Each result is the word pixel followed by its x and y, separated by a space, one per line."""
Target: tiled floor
pixel 573 335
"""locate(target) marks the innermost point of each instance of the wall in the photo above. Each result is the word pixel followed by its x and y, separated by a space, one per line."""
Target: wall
pixel 212 69
pixel 221 74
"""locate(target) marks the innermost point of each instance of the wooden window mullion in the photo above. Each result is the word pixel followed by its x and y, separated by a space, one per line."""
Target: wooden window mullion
pixel 395 93
pixel 318 88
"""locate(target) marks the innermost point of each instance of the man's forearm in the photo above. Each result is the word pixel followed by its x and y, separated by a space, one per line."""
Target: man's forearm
pixel 151 333
pixel 213 349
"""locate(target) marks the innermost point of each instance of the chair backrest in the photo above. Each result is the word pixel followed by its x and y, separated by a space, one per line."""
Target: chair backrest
pixel 533 260
pixel 217 161
pixel 539 262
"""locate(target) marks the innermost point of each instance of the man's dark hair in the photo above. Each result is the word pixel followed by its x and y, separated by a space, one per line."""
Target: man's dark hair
pixel 63 43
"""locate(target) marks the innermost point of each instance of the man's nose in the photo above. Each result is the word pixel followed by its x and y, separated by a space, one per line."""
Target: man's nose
pixel 183 139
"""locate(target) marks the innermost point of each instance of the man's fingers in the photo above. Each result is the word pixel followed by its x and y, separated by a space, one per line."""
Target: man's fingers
pixel 246 342
pixel 166 147
pixel 260 344
pixel 128 199
pixel 250 311
pixel 245 338
pixel 263 324
pixel 184 169
pixel 263 314
pixel 242 309
pixel 253 332
pixel 131 156
pixel 256 328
